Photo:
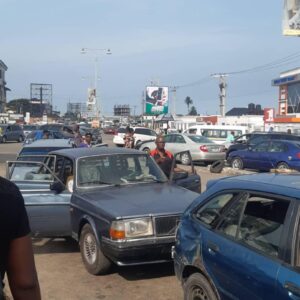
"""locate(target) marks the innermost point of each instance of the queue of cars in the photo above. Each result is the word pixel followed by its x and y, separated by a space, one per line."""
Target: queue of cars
pixel 237 240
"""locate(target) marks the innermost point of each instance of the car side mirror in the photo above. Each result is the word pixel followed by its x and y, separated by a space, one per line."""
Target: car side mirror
pixel 57 186
pixel 180 175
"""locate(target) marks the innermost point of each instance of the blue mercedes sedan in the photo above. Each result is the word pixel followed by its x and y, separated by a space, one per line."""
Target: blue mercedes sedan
pixel 271 154
pixel 240 239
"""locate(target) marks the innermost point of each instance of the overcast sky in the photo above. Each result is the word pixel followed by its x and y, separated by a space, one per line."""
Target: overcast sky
pixel 174 41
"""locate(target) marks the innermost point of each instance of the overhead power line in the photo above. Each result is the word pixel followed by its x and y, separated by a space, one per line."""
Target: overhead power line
pixel 271 65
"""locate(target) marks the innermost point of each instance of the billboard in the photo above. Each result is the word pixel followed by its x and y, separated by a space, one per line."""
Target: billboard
pixel 157 99
pixel 291 17
pixel 91 101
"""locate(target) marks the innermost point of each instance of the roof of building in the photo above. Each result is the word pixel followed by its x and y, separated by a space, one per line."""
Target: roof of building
pixel 240 111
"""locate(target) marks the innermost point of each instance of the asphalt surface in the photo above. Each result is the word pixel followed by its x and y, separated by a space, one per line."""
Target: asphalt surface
pixel 9 151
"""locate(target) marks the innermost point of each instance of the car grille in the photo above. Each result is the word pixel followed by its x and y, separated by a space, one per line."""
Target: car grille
pixel 166 226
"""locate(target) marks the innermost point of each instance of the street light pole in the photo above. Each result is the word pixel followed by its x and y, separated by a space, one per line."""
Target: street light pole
pixel 97 97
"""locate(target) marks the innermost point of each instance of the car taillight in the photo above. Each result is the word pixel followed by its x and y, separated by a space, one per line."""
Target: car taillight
pixel 298 155
pixel 203 148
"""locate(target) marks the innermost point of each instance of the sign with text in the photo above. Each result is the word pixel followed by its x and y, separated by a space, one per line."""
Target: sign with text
pixel 269 114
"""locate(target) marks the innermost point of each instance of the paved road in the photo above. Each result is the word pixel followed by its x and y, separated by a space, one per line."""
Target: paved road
pixel 9 151
pixel 62 274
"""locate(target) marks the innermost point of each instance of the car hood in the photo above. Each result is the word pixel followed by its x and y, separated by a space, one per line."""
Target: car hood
pixel 138 200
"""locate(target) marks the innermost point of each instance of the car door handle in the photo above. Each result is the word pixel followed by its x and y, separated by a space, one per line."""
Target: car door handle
pixel 293 288
pixel 212 248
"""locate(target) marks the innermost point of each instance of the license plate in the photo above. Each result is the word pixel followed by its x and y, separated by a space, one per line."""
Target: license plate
pixel 215 149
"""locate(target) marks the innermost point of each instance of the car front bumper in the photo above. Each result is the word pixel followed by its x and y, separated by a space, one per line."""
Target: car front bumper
pixel 138 252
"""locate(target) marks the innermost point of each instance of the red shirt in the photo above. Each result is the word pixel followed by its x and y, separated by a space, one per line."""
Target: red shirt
pixel 155 152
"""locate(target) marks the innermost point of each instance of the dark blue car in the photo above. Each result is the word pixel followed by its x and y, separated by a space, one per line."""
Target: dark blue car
pixel 274 154
pixel 240 239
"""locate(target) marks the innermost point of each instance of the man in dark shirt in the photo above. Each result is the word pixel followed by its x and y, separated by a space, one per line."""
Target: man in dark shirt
pixel 163 157
pixel 16 254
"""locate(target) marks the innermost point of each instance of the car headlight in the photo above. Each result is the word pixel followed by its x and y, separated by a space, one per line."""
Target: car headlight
pixel 130 229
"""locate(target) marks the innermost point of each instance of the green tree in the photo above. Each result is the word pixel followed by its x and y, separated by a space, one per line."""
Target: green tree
pixel 188 101
pixel 193 111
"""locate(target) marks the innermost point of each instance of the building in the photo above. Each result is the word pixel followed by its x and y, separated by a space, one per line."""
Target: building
pixel 289 94
pixel 78 108
pixel 252 109
pixel 3 88
pixel 122 110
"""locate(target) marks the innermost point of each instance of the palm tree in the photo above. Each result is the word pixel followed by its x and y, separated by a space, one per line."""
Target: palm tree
pixel 188 101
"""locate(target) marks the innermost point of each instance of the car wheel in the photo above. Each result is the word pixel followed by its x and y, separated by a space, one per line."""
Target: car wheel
pixel 217 166
pixel 94 260
pixel 4 139
pixel 283 165
pixel 198 287
pixel 237 163
pixel 185 159
pixel 20 139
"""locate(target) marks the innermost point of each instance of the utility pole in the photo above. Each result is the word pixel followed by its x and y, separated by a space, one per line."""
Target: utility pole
pixel 174 90
pixel 223 89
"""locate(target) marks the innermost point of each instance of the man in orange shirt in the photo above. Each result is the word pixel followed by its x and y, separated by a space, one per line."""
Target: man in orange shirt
pixel 163 157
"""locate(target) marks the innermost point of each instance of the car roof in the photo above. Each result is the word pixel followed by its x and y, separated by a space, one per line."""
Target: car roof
pixel 83 152
pixel 50 143
pixel 283 184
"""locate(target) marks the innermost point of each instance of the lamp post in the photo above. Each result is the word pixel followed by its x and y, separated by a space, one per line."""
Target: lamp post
pixel 95 51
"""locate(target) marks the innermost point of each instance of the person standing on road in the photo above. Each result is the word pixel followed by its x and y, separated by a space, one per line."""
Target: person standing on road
pixel 77 136
pixel 230 137
pixel 87 143
pixel 16 254
pixel 129 138
pixel 163 157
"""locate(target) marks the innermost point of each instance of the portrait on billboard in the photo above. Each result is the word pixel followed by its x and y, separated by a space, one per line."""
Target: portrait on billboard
pixel 91 97
pixel 291 17
pixel 156 100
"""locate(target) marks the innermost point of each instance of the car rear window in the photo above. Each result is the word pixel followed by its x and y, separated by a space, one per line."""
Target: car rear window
pixel 144 131
pixel 200 139
pixel 122 130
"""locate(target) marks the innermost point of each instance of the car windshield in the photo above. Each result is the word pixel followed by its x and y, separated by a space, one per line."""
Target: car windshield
pixel 117 169
pixel 200 139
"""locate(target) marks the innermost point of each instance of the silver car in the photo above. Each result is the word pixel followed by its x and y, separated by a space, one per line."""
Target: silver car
pixel 201 148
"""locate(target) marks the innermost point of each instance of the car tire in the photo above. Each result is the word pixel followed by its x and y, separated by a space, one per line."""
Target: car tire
pixel 185 159
pixel 20 139
pixel 4 139
pixel 282 165
pixel 198 287
pixel 237 163
pixel 93 259
pixel 217 166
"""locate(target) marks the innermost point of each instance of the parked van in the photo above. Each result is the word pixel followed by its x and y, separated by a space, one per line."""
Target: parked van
pixel 217 133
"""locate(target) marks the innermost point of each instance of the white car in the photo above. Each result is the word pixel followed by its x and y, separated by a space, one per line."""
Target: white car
pixel 140 134
pixel 201 148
